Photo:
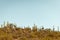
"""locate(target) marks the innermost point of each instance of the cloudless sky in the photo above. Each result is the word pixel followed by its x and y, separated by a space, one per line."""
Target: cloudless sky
pixel 29 12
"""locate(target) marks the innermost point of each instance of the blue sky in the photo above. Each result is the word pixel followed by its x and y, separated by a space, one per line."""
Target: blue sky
pixel 29 12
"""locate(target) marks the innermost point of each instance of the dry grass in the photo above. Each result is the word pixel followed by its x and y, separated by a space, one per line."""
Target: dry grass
pixel 12 32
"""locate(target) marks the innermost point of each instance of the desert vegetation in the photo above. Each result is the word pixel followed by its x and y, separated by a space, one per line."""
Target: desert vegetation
pixel 12 32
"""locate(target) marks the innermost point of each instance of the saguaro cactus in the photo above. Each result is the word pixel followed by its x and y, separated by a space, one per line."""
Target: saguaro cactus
pixel 34 28
pixel 58 28
pixel 53 28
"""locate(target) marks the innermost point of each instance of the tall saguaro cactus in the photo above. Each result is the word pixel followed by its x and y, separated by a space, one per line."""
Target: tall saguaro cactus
pixel 35 27
pixel 4 23
pixel 58 28
pixel 53 28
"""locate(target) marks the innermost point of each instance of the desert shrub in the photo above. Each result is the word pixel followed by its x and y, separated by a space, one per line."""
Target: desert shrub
pixel 12 32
